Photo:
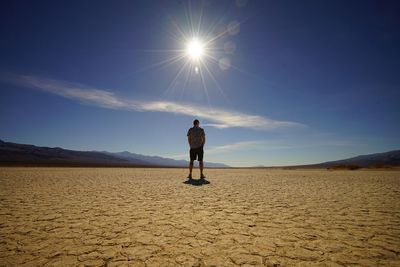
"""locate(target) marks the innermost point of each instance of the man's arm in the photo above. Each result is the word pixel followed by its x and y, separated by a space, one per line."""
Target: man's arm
pixel 189 140
pixel 204 140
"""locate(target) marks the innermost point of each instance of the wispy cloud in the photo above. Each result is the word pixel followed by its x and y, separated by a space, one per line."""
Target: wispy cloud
pixel 246 145
pixel 268 145
pixel 241 146
pixel 214 117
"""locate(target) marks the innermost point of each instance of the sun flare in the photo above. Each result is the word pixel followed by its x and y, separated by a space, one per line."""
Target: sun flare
pixel 195 49
pixel 200 49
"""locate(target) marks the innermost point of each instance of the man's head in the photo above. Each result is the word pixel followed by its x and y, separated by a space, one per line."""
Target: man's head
pixel 196 122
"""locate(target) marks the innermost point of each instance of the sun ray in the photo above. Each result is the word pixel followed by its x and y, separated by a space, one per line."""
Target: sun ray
pixel 200 18
pixel 176 25
pixel 231 65
pixel 217 84
pixel 221 34
pixel 175 78
pixel 162 63
pixel 156 50
pixel 188 14
pixel 212 28
pixel 205 87
pixel 215 60
pixel 186 81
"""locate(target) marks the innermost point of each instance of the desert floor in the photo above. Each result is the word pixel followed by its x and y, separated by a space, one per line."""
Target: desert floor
pixel 150 217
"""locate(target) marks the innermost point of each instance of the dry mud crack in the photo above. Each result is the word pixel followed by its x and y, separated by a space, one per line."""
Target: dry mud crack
pixel 149 217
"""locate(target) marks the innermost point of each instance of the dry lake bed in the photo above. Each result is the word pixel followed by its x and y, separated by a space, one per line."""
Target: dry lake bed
pixel 242 217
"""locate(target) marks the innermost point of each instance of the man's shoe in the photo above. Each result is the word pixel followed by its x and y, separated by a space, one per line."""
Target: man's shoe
pixel 189 176
pixel 202 176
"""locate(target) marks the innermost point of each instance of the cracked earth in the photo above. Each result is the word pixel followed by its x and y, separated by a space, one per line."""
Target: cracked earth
pixel 243 217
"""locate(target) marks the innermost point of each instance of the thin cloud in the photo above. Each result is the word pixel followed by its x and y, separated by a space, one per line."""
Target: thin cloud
pixel 267 145
pixel 240 146
pixel 236 146
pixel 218 118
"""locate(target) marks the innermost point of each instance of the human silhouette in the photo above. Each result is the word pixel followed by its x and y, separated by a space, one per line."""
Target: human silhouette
pixel 196 139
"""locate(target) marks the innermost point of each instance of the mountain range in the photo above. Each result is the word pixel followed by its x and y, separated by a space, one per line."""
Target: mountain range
pixel 377 160
pixel 13 154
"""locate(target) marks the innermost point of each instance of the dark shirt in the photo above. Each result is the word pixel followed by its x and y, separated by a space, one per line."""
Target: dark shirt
pixel 197 136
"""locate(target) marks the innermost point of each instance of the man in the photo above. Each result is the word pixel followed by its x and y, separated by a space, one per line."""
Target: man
pixel 196 139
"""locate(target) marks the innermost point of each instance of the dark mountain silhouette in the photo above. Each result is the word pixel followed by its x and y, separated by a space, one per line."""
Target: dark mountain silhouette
pixel 160 161
pixel 21 154
pixel 385 159
pixel 13 154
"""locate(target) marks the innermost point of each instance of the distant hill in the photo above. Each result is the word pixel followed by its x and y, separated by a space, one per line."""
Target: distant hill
pixel 160 161
pixel 377 160
pixel 13 154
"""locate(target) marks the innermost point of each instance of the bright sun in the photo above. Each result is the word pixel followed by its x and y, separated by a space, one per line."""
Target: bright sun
pixel 195 49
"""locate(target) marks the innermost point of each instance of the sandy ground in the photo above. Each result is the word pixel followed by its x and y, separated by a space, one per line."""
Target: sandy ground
pixel 149 217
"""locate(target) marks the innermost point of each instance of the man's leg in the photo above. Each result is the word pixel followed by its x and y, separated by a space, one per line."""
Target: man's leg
pixel 191 163
pixel 201 165
pixel 190 168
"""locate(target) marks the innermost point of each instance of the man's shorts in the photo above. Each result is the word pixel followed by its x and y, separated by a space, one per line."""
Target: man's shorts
pixel 196 153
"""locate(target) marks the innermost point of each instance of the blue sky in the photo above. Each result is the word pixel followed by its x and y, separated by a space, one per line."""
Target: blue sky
pixel 280 82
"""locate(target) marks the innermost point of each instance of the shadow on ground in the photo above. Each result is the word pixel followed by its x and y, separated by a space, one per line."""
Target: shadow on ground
pixel 196 182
